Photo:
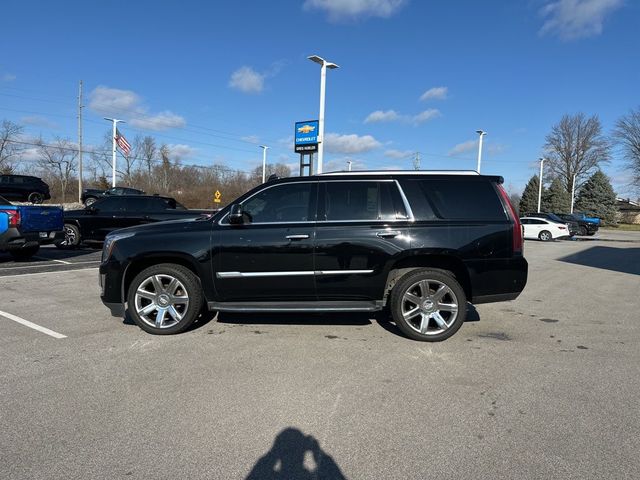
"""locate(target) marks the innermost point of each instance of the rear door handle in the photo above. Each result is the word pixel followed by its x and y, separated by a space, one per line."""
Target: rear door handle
pixel 297 237
pixel 388 233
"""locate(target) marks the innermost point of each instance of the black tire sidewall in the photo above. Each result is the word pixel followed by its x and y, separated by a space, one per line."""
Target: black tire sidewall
pixel 190 282
pixel 36 198
pixel 444 276
pixel 69 246
pixel 584 231
pixel 24 253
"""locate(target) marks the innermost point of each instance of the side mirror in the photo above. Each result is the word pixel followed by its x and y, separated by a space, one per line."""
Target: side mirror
pixel 235 214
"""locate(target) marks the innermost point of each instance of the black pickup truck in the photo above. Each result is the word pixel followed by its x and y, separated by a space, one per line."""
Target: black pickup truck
pixel 95 221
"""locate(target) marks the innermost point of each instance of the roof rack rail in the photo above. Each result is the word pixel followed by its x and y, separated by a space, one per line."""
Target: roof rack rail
pixel 403 172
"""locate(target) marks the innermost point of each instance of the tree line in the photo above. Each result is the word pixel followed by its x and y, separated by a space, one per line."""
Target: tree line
pixel 150 166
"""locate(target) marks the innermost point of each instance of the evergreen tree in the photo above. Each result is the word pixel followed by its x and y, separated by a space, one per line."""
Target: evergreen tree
pixel 596 197
pixel 556 199
pixel 529 200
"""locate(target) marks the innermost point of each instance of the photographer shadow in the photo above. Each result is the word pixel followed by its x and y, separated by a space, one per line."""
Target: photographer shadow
pixel 286 459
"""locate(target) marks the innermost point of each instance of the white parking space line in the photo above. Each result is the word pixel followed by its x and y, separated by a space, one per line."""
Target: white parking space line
pixel 57 272
pixel 29 324
pixel 40 265
pixel 53 260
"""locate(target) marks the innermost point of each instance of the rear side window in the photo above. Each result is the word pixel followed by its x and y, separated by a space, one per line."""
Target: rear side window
pixel 362 200
pixel 453 199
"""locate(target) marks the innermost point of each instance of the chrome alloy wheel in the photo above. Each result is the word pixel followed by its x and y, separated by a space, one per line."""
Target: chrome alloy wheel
pixel 69 236
pixel 161 301
pixel 429 307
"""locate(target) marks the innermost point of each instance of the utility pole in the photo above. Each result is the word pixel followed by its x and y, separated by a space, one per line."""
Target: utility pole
pixel 481 133
pixel 80 143
pixel 573 191
pixel 540 184
pixel 416 161
pixel 115 121
pixel 264 162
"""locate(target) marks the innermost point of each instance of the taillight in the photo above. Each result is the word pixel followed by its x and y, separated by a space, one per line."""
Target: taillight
pixel 14 217
pixel 518 243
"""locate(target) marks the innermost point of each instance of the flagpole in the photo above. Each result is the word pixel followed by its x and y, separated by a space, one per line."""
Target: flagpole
pixel 115 121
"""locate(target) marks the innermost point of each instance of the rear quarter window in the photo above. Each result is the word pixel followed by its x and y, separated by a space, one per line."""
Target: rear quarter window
pixel 454 199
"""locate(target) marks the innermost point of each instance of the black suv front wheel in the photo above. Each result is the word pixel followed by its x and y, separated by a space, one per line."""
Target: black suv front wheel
pixel 165 299
pixel 428 305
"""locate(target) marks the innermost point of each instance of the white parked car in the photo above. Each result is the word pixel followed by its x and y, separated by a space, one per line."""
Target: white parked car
pixel 542 229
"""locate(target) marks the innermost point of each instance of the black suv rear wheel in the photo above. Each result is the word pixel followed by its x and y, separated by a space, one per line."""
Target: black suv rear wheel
pixel 428 305
pixel 165 299
pixel 36 198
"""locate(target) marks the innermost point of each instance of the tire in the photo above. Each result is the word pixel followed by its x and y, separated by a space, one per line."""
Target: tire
pixel 36 198
pixel 583 231
pixel 71 237
pixel 592 233
pixel 24 253
pixel 145 309
pixel 410 295
pixel 545 236
pixel 89 201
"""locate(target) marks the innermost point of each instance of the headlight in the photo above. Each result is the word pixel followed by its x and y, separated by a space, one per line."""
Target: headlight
pixel 111 240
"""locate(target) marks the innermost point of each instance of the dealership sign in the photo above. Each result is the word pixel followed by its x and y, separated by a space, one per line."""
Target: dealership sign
pixel 306 137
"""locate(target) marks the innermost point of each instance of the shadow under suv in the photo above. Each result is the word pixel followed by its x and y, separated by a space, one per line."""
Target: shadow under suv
pixel 421 244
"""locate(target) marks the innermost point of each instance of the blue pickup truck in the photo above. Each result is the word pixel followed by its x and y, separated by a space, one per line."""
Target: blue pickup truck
pixel 23 228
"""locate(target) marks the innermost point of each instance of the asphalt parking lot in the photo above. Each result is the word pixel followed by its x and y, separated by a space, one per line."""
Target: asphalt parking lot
pixel 542 387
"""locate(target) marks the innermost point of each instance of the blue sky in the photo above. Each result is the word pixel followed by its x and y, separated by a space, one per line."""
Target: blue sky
pixel 214 79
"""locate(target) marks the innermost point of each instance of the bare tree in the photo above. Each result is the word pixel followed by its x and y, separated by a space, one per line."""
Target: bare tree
pixel 576 146
pixel 58 159
pixel 9 133
pixel 627 135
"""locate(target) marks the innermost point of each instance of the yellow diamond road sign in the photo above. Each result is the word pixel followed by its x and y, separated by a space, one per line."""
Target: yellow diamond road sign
pixel 217 197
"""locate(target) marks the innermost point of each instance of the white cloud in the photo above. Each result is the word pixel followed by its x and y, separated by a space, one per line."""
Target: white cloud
pixel 573 19
pixel 398 154
pixel 435 93
pixel 251 139
pixel 181 150
pixel 350 144
pixel 247 80
pixel 126 103
pixel 38 121
pixel 105 100
pixel 463 147
pixel 160 121
pixel 426 116
pixel 8 77
pixel 393 116
pixel 381 116
pixel 345 10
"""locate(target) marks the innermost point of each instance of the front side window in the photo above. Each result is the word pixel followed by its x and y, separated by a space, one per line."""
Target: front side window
pixel 281 203
pixel 111 204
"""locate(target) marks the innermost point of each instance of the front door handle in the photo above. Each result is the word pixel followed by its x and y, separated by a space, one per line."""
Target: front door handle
pixel 297 237
pixel 388 233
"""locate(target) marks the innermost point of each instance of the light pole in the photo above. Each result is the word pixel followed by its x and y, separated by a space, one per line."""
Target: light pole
pixel 323 76
pixel 264 162
pixel 573 191
pixel 540 184
pixel 115 121
pixel 349 162
pixel 481 134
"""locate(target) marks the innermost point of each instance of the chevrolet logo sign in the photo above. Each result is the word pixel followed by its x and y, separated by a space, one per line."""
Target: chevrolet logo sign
pixel 306 129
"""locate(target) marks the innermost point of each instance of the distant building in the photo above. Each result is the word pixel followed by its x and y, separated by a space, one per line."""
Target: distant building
pixel 629 210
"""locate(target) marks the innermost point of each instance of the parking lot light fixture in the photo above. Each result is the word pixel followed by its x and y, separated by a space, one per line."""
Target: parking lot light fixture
pixel 264 162
pixel 323 75
pixel 481 133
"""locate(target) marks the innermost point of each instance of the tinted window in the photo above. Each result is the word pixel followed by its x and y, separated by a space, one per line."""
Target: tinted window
pixel 18 180
pixel 144 204
pixel 4 179
pixel 281 203
pixel 537 222
pixel 456 199
pixel 111 204
pixel 352 201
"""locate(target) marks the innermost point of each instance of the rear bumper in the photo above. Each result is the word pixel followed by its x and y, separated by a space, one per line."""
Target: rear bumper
pixel 13 239
pixel 497 280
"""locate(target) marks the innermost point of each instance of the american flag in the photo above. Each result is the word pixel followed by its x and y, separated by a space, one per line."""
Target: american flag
pixel 122 143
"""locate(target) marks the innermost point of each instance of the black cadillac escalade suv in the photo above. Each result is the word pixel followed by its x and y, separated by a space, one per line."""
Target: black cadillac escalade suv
pixel 420 243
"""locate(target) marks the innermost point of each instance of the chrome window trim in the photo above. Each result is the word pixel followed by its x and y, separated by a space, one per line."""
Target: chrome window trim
pixel 407 206
pixel 262 190
pixel 289 274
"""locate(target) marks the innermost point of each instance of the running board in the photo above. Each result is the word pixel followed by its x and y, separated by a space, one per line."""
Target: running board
pixel 311 306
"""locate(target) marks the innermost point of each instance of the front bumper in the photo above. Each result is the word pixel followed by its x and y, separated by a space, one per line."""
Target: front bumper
pixel 110 277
